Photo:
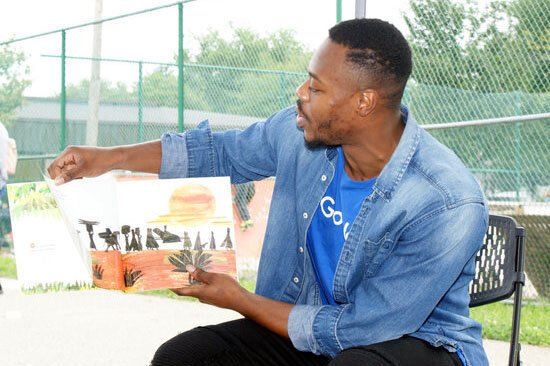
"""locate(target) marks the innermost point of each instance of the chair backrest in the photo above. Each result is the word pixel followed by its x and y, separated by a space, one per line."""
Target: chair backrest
pixel 499 272
pixel 496 262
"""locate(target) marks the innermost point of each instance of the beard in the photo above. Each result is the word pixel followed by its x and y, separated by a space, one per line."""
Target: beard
pixel 324 126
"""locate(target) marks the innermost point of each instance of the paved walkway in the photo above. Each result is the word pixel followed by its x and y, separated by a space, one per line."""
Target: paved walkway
pixel 110 328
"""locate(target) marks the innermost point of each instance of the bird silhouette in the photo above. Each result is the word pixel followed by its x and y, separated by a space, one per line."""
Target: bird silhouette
pixel 151 243
pixel 125 230
pixel 212 241
pixel 111 239
pixel 198 242
pixel 166 236
pixel 138 234
pixel 186 240
pixel 227 243
pixel 133 242
pixel 90 230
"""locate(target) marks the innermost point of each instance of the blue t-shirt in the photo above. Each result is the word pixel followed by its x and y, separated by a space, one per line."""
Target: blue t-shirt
pixel 331 224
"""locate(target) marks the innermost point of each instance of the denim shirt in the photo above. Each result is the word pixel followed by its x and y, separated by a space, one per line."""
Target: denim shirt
pixel 406 265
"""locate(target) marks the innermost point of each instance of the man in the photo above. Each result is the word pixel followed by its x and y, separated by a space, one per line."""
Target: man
pixel 373 225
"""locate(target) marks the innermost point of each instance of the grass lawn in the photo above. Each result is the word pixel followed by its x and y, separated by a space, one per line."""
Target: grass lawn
pixel 7 266
pixel 497 322
pixel 495 318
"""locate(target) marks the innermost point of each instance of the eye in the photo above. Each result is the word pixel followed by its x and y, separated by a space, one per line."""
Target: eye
pixel 313 90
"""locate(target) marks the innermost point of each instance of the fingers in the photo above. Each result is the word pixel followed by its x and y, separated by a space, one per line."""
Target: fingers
pixel 198 274
pixel 66 166
pixel 66 174
pixel 194 290
pixel 78 161
pixel 186 291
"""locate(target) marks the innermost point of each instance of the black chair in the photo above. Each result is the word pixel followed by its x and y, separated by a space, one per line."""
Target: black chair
pixel 500 272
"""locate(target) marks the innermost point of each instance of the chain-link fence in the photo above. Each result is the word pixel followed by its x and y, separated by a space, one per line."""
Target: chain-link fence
pixel 490 60
pixel 472 63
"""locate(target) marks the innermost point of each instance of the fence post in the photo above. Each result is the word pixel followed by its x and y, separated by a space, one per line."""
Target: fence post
pixel 517 147
pixel 181 126
pixel 338 11
pixel 140 101
pixel 63 97
pixel 360 8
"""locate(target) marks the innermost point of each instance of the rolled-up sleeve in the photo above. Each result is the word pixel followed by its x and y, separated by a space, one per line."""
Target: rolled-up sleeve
pixel 315 328
pixel 174 162
pixel 300 328
pixel 390 304
pixel 243 155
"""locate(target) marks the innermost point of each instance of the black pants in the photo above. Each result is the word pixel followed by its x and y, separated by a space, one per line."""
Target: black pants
pixel 245 343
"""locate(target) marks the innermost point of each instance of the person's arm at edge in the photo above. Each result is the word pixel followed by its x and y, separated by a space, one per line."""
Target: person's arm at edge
pixel 85 161
pixel 143 157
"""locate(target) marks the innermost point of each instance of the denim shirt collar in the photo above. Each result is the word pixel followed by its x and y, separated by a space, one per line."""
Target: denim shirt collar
pixel 392 173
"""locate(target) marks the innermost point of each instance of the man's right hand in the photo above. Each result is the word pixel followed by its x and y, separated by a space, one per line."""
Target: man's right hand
pixel 82 161
pixel 86 161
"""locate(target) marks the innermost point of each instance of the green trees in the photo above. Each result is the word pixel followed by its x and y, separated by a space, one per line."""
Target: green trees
pixel 246 74
pixel 503 47
pixel 437 29
pixel 109 92
pixel 242 73
pixel 161 87
pixel 476 60
pixel 532 33
pixel 13 82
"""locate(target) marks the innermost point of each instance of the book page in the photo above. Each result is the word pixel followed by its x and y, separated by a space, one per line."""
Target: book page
pixel 89 206
pixel 133 233
pixel 170 223
pixel 165 268
pixel 108 269
pixel 47 256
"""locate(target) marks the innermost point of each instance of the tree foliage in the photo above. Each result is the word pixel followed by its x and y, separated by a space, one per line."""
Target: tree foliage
pixel 241 73
pixel 13 81
pixel 109 92
pixel 476 60
pixel 501 47
pixel 246 73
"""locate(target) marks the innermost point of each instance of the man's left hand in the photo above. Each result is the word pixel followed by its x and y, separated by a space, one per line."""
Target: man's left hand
pixel 214 289
pixel 223 291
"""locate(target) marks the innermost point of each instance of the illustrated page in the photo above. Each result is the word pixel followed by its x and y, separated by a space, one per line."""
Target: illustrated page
pixel 170 223
pixel 127 232
pixel 47 256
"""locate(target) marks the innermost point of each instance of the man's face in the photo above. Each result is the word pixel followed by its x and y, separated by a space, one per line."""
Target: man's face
pixel 325 103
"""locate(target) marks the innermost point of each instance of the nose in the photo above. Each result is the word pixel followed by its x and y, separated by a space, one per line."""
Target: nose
pixel 302 91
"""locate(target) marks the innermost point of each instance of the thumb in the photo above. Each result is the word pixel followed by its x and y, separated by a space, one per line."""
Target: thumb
pixel 68 175
pixel 197 273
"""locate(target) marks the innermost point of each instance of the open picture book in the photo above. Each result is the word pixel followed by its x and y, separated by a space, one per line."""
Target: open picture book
pixel 123 232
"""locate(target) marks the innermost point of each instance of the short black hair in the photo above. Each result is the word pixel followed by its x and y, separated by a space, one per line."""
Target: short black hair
pixel 376 48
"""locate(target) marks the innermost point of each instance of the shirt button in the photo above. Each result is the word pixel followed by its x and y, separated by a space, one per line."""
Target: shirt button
pixel 323 177
pixel 301 249
pixel 305 215
pixel 296 279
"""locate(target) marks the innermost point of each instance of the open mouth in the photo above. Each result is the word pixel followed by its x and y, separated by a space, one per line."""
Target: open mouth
pixel 301 118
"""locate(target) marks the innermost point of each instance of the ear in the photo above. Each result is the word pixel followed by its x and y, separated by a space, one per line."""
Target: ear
pixel 367 101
